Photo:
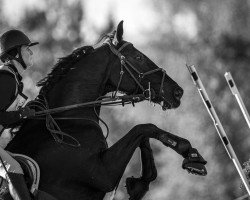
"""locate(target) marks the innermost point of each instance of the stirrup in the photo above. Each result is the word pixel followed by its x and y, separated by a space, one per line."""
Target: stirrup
pixel 195 163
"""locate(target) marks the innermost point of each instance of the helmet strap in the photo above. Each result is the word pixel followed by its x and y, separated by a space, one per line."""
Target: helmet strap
pixel 18 58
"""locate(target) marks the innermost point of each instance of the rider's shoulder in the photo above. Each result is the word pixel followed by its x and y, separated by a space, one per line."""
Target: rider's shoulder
pixel 5 72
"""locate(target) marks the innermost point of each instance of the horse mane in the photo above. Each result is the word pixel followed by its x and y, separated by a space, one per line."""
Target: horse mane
pixel 62 67
pixel 64 64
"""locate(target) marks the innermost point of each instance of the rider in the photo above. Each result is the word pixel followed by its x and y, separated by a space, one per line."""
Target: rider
pixel 16 56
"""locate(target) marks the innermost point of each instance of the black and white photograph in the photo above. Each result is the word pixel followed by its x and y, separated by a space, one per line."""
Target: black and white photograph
pixel 124 100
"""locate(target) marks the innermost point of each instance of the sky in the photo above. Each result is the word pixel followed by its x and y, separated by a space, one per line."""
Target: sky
pixel 140 16
pixel 138 23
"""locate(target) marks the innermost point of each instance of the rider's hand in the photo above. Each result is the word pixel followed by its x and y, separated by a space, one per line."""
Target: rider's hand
pixel 27 112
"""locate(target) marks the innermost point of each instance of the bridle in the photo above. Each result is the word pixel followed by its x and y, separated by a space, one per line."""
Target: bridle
pixel 125 63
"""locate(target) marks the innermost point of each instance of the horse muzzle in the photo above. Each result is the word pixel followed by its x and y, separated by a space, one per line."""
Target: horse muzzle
pixel 175 101
pixel 178 93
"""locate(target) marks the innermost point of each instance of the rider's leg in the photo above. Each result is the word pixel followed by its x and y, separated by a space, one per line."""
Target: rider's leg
pixel 17 186
pixel 10 164
pixel 13 172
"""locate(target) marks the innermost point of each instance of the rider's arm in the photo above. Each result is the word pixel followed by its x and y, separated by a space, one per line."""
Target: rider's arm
pixel 7 93
pixel 7 118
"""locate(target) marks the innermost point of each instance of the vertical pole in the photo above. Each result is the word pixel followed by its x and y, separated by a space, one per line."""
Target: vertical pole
pixel 236 93
pixel 219 128
pixel 244 197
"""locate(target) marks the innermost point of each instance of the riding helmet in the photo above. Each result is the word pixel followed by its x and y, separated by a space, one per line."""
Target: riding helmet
pixel 13 39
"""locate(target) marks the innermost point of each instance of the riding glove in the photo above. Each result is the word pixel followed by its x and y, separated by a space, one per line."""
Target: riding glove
pixel 26 112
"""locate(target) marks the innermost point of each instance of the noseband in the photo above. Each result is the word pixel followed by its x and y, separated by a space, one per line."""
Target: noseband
pixel 126 64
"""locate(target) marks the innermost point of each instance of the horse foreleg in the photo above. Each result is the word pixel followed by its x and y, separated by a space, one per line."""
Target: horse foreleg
pixel 116 158
pixel 137 187
pixel 148 169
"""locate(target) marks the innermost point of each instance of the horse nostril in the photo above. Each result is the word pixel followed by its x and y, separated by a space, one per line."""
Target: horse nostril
pixel 178 93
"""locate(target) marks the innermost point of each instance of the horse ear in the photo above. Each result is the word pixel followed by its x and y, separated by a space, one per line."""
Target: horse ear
pixel 118 33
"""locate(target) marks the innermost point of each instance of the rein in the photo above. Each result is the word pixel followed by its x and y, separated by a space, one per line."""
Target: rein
pixel 103 102
pixel 51 124
pixel 54 128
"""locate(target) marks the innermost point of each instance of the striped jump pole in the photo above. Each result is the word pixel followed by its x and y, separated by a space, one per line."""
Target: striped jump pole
pixel 244 197
pixel 236 93
pixel 219 128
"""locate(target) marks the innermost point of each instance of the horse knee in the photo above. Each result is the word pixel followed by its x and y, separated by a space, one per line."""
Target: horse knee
pixel 141 128
pixel 108 186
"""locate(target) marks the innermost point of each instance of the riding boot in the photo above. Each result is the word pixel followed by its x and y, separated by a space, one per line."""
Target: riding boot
pixel 21 191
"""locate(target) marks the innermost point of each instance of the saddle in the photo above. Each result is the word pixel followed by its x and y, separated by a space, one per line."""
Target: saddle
pixel 31 175
pixel 31 171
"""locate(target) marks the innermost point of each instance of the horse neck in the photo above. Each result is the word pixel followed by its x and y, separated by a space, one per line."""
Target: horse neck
pixel 83 84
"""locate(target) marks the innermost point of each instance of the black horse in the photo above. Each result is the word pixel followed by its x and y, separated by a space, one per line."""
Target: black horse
pixel 79 165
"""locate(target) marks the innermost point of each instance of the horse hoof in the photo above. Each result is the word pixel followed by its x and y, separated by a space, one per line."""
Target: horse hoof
pixel 195 163
pixel 136 188
pixel 196 168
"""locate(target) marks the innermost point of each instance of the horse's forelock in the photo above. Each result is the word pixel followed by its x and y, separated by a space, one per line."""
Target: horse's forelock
pixel 103 39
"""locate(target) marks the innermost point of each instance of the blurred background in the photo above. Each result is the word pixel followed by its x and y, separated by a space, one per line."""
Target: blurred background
pixel 213 35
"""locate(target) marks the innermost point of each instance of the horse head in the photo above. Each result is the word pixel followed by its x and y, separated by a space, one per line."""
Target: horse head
pixel 114 65
pixel 138 74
